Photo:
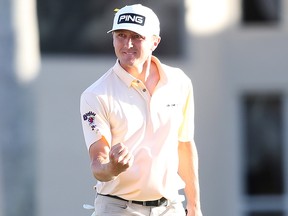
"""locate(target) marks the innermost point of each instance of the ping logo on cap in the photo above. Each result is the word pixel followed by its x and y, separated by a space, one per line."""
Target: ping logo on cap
pixel 131 18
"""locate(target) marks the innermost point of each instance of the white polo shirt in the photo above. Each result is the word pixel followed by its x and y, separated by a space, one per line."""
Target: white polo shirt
pixel 118 107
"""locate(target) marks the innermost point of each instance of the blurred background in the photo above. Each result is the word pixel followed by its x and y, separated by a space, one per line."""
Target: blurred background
pixel 235 52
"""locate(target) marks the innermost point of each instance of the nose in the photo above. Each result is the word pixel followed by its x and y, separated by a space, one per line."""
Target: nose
pixel 129 42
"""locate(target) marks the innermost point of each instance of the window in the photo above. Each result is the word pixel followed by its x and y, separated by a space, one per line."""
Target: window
pixel 261 11
pixel 263 146
pixel 263 161
pixel 73 27
pixel 266 214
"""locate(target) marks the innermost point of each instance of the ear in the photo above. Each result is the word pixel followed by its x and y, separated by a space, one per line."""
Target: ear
pixel 156 41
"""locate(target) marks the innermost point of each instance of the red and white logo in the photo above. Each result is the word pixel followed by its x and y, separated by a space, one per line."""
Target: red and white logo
pixel 90 118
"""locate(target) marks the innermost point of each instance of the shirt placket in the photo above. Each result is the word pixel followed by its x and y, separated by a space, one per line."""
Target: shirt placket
pixel 152 121
pixel 142 90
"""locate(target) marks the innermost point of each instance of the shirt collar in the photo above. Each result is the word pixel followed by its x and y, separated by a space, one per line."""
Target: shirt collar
pixel 128 78
pixel 123 74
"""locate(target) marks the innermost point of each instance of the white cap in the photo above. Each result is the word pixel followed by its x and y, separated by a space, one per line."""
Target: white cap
pixel 137 18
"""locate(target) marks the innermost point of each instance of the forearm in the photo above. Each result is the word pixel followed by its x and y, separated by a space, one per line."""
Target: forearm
pixel 188 170
pixel 101 171
pixel 100 161
pixel 107 163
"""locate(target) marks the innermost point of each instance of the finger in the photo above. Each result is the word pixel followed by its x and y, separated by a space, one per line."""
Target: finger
pixel 114 156
pixel 115 149
pixel 119 152
pixel 118 156
pixel 122 154
pixel 128 159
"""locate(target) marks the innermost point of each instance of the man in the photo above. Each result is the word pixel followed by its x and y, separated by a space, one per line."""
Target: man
pixel 138 123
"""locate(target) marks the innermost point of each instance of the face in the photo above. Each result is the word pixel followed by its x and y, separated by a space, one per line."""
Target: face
pixel 132 49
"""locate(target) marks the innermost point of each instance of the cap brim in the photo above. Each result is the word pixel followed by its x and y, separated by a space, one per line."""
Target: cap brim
pixel 130 28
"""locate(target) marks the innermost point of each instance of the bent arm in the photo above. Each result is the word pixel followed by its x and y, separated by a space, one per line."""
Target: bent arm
pixel 99 156
pixel 107 163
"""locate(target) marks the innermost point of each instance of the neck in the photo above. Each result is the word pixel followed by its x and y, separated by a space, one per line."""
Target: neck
pixel 141 71
pixel 149 75
pixel 147 72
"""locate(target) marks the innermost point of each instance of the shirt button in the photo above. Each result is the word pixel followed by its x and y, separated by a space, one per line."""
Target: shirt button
pixel 144 90
pixel 138 81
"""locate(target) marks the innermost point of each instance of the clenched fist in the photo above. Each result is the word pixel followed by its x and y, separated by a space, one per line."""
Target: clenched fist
pixel 120 159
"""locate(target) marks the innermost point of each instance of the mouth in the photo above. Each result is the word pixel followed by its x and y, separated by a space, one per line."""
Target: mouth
pixel 129 52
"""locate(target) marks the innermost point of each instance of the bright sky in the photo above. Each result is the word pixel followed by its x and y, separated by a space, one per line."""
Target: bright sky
pixel 206 17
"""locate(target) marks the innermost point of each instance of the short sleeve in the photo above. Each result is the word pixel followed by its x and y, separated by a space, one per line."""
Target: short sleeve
pixel 94 119
pixel 186 130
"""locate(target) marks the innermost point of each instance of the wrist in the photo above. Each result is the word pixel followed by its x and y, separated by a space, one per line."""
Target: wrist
pixel 104 172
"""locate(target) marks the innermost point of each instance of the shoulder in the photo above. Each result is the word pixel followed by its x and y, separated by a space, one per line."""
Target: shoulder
pixel 174 74
pixel 170 71
pixel 93 94
pixel 174 71
pixel 100 84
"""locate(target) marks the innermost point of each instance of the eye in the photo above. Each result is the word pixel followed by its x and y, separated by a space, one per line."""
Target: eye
pixel 138 37
pixel 120 34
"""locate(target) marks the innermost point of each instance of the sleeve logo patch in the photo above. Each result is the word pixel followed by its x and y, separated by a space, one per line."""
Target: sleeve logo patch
pixel 90 118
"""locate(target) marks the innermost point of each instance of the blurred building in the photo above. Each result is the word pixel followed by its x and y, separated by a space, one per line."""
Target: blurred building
pixel 236 55
pixel 19 64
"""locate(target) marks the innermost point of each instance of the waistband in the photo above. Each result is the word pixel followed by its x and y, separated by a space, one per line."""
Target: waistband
pixel 154 203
